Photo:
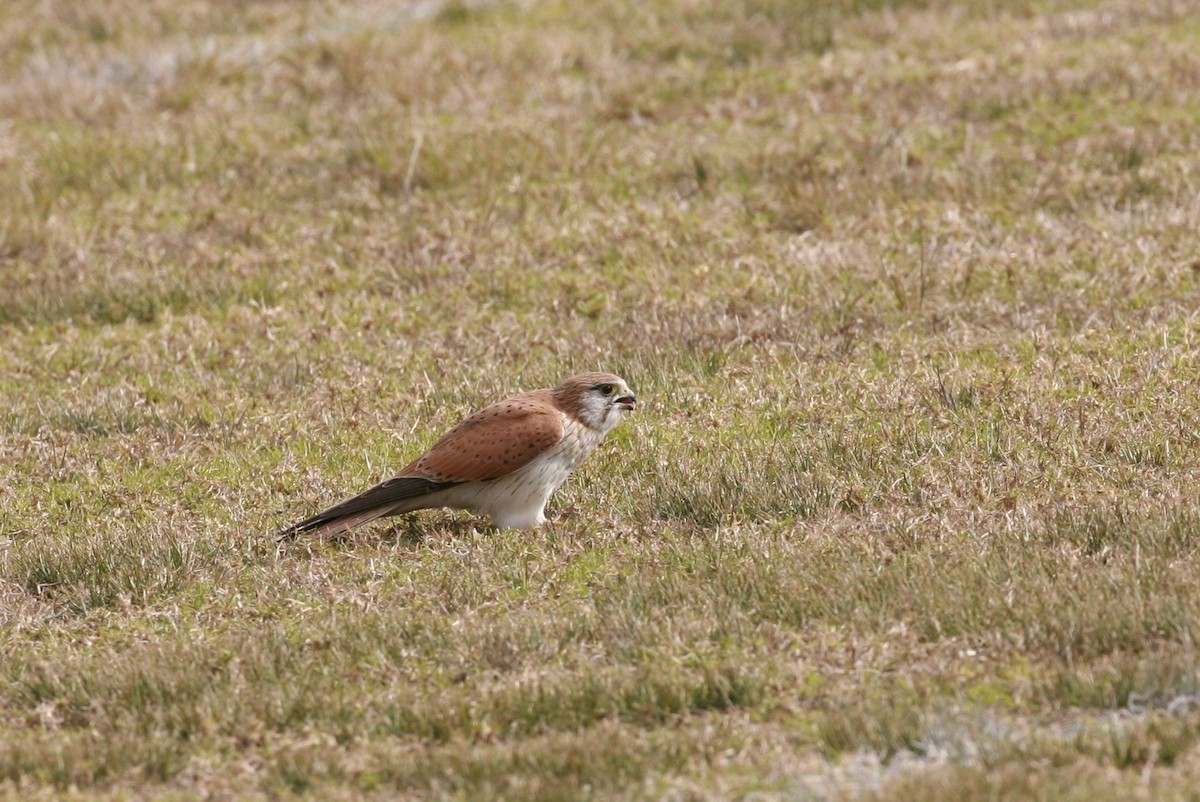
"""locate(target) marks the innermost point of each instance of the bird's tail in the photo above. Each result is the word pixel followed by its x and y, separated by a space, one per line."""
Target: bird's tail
pixel 401 494
pixel 321 526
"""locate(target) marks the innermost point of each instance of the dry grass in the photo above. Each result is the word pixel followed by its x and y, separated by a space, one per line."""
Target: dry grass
pixel 909 289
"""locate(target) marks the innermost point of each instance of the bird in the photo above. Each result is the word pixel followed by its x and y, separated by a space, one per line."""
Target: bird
pixel 504 461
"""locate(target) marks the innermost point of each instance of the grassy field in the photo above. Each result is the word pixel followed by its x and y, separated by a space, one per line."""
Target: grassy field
pixel 909 291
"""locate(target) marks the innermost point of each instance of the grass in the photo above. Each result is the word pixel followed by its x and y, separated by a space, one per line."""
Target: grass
pixel 908 290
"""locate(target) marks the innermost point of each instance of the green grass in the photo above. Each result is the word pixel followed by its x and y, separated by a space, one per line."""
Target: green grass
pixel 908 511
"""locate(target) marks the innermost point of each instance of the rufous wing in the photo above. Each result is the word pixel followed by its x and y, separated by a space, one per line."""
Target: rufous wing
pixel 493 442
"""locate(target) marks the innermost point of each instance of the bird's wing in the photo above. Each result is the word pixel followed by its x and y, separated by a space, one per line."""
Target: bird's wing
pixel 493 442
pixel 366 506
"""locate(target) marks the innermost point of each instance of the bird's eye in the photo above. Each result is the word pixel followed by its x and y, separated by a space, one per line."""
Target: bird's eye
pixel 607 389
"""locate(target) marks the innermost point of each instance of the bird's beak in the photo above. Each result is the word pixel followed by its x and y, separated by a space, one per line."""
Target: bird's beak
pixel 626 402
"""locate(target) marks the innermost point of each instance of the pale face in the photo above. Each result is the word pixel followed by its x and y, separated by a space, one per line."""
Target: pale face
pixel 606 403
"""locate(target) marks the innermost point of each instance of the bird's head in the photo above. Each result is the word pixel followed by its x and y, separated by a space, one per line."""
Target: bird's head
pixel 599 400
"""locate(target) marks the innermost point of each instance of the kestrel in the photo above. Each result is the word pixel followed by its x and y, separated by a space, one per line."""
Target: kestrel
pixel 504 460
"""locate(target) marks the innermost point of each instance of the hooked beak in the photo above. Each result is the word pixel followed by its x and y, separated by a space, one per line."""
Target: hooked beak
pixel 626 402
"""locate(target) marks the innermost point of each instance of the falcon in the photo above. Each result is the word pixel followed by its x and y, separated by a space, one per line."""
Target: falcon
pixel 503 461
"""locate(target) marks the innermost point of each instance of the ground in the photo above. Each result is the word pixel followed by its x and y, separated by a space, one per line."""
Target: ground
pixel 907 291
